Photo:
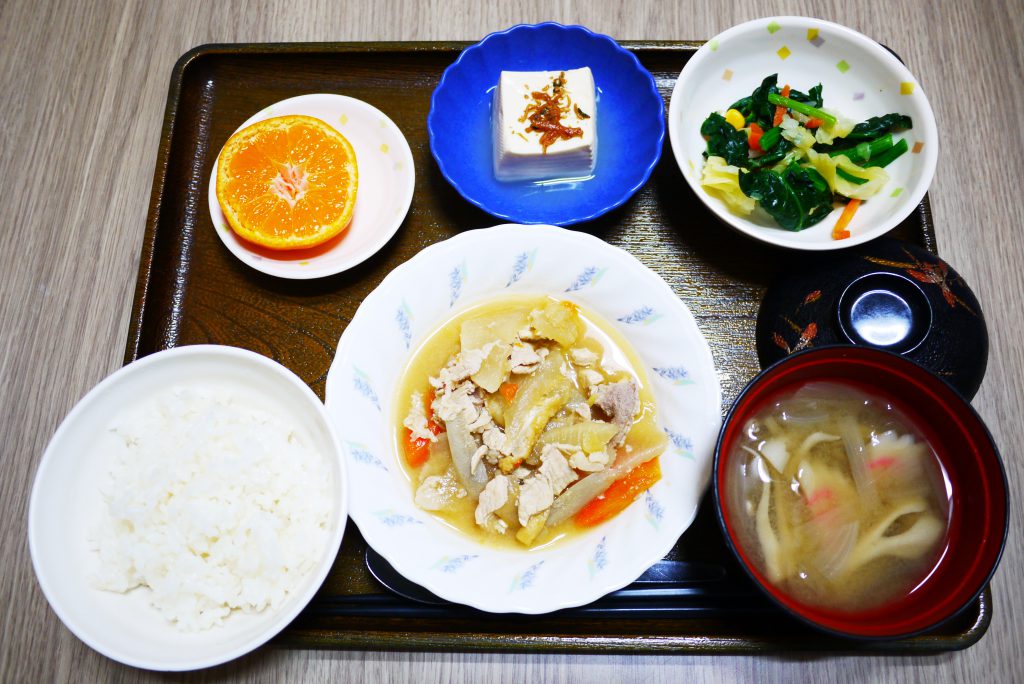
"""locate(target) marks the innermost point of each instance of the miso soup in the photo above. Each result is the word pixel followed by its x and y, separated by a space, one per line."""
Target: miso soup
pixel 837 499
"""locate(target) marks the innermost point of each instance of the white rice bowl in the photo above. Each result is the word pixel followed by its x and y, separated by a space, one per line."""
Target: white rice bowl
pixel 255 439
pixel 476 266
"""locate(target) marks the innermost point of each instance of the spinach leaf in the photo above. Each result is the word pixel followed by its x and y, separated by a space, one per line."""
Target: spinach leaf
pixel 745 106
pixel 772 158
pixel 812 191
pixel 761 110
pixel 812 97
pixel 775 196
pixel 878 125
pixel 725 141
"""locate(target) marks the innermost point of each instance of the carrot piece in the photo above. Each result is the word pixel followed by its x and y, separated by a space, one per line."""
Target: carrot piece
pixel 813 123
pixel 621 494
pixel 754 138
pixel 417 451
pixel 839 232
pixel 508 390
pixel 780 111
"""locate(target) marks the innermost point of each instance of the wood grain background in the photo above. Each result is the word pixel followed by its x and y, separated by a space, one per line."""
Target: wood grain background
pixel 84 85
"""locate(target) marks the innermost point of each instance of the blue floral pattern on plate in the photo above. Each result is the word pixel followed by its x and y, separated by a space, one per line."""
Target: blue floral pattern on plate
pixel 525 579
pixel 391 518
pixel 403 316
pixel 677 374
pixel 363 455
pixel 524 262
pixel 361 381
pixel 589 276
pixel 644 314
pixel 599 560
pixel 456 279
pixel 450 565
pixel 655 511
pixel 681 444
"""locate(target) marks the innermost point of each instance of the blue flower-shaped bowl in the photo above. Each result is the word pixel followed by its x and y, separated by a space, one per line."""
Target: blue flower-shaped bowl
pixel 630 123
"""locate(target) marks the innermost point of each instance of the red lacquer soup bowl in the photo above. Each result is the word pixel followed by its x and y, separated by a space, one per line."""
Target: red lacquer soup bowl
pixel 978 494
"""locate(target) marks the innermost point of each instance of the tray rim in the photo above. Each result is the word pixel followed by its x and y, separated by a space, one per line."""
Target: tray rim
pixel 485 640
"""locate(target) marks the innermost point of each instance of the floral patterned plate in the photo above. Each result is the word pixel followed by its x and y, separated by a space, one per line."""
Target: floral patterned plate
pixel 423 293
pixel 860 79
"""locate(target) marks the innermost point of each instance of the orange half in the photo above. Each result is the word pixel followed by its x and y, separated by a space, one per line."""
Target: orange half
pixel 288 182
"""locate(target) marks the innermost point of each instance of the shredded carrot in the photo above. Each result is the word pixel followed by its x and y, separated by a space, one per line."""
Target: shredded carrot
pixel 881 462
pixel 508 390
pixel 754 138
pixel 622 492
pixel 780 111
pixel 813 123
pixel 839 232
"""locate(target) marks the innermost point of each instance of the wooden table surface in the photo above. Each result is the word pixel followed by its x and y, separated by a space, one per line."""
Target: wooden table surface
pixel 84 84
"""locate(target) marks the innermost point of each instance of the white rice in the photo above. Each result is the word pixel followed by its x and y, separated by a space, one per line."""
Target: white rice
pixel 214 503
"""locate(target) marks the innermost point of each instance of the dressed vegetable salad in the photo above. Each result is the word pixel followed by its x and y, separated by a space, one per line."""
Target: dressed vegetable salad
pixel 780 149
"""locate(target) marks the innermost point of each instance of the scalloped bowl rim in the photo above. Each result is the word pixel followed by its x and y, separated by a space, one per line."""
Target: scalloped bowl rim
pixel 398 556
pixel 481 204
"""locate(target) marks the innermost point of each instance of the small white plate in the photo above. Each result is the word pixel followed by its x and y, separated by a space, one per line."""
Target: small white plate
pixel 66 506
pixel 386 181
pixel 475 266
pixel 860 79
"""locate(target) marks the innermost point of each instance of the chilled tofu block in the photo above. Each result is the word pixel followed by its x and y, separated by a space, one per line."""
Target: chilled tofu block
pixel 545 125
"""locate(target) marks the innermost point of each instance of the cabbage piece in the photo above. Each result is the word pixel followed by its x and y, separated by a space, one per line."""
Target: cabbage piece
pixel 875 176
pixel 540 396
pixel 826 134
pixel 792 131
pixel 590 435
pixel 722 182
pixel 502 327
pixel 558 321
pixel 533 527
pixel 495 368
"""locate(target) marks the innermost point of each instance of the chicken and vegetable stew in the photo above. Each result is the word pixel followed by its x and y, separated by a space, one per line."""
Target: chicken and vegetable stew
pixel 525 419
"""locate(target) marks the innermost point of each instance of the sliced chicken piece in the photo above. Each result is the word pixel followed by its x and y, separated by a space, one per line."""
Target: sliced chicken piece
pixel 620 401
pixel 556 469
pixel 524 358
pixel 581 356
pixel 416 421
pixel 458 401
pixel 589 463
pixel 493 497
pixel 496 440
pixel 535 495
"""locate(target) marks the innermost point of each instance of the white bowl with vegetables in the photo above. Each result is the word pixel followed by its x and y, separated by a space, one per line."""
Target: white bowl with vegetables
pixel 825 168
pixel 556 366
